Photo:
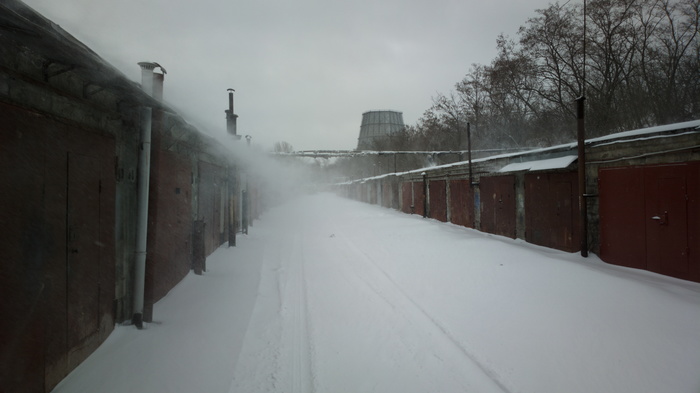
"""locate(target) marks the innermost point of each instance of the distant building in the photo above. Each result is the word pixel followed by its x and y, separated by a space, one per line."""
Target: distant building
pixel 377 125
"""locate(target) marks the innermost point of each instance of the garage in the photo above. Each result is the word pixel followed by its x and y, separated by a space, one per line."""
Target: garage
pixel 650 218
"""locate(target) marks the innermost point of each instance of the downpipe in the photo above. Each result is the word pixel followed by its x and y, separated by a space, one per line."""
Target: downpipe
pixel 144 172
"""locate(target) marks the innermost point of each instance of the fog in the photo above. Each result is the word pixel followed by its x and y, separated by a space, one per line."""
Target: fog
pixel 304 72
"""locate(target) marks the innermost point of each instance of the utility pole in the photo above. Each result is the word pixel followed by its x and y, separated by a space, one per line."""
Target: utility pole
pixel 581 136
pixel 583 208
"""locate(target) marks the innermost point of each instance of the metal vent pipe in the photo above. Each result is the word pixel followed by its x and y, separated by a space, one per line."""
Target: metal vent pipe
pixel 152 82
pixel 144 173
pixel 231 116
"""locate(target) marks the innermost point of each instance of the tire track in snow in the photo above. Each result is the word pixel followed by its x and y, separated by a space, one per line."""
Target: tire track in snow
pixel 487 371
pixel 302 371
pixel 280 357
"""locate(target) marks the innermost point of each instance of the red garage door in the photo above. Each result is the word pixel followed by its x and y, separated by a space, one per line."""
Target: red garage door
pixel 461 203
pixel 438 200
pixel 650 218
pixel 551 210
pixel 407 197
pixel 498 205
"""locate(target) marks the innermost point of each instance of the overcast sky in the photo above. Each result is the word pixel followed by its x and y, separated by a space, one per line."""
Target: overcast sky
pixel 303 71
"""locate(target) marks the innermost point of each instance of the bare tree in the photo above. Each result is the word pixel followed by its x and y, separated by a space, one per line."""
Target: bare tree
pixel 283 147
pixel 637 61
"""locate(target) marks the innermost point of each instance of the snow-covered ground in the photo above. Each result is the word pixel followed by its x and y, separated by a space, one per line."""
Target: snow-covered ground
pixel 331 295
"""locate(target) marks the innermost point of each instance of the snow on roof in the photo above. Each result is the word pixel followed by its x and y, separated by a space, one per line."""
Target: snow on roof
pixel 693 124
pixel 612 138
pixel 540 165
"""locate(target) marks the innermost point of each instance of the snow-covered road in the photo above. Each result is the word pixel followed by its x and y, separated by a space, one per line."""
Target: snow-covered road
pixel 330 295
pixel 332 320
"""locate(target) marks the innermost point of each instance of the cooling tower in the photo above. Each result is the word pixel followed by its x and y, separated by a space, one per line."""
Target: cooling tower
pixel 378 125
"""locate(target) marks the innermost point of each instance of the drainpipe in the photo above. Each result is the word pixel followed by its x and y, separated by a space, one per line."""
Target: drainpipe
pixel 144 173
pixel 142 221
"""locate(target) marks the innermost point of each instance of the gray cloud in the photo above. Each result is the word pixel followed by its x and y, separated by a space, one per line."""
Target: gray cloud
pixel 303 71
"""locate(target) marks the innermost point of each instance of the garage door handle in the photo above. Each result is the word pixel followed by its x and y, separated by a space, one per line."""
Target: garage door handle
pixel 662 221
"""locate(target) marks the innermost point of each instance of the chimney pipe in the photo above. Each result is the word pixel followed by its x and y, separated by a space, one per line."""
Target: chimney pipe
pixel 158 86
pixel 231 117
pixel 147 77
pixel 151 82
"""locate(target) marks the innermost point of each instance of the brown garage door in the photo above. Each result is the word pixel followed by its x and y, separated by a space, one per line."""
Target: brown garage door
pixel 438 200
pixel 461 203
pixel 498 205
pixel 407 197
pixel 649 218
pixel 551 210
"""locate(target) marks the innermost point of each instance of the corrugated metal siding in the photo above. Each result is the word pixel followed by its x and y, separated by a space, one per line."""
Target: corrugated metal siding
pixel 498 205
pixel 551 210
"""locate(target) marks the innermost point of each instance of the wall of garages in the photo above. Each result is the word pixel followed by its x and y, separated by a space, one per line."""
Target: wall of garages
pixel 642 195
pixel 69 151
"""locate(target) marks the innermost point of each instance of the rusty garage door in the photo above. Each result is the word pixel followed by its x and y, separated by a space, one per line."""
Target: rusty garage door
pixel 170 233
pixel 461 203
pixel 498 205
pixel 211 204
pixel 438 200
pixel 649 218
pixel 407 197
pixel 418 198
pixel 83 243
pixel 412 197
pixel 551 210
pixel 57 207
